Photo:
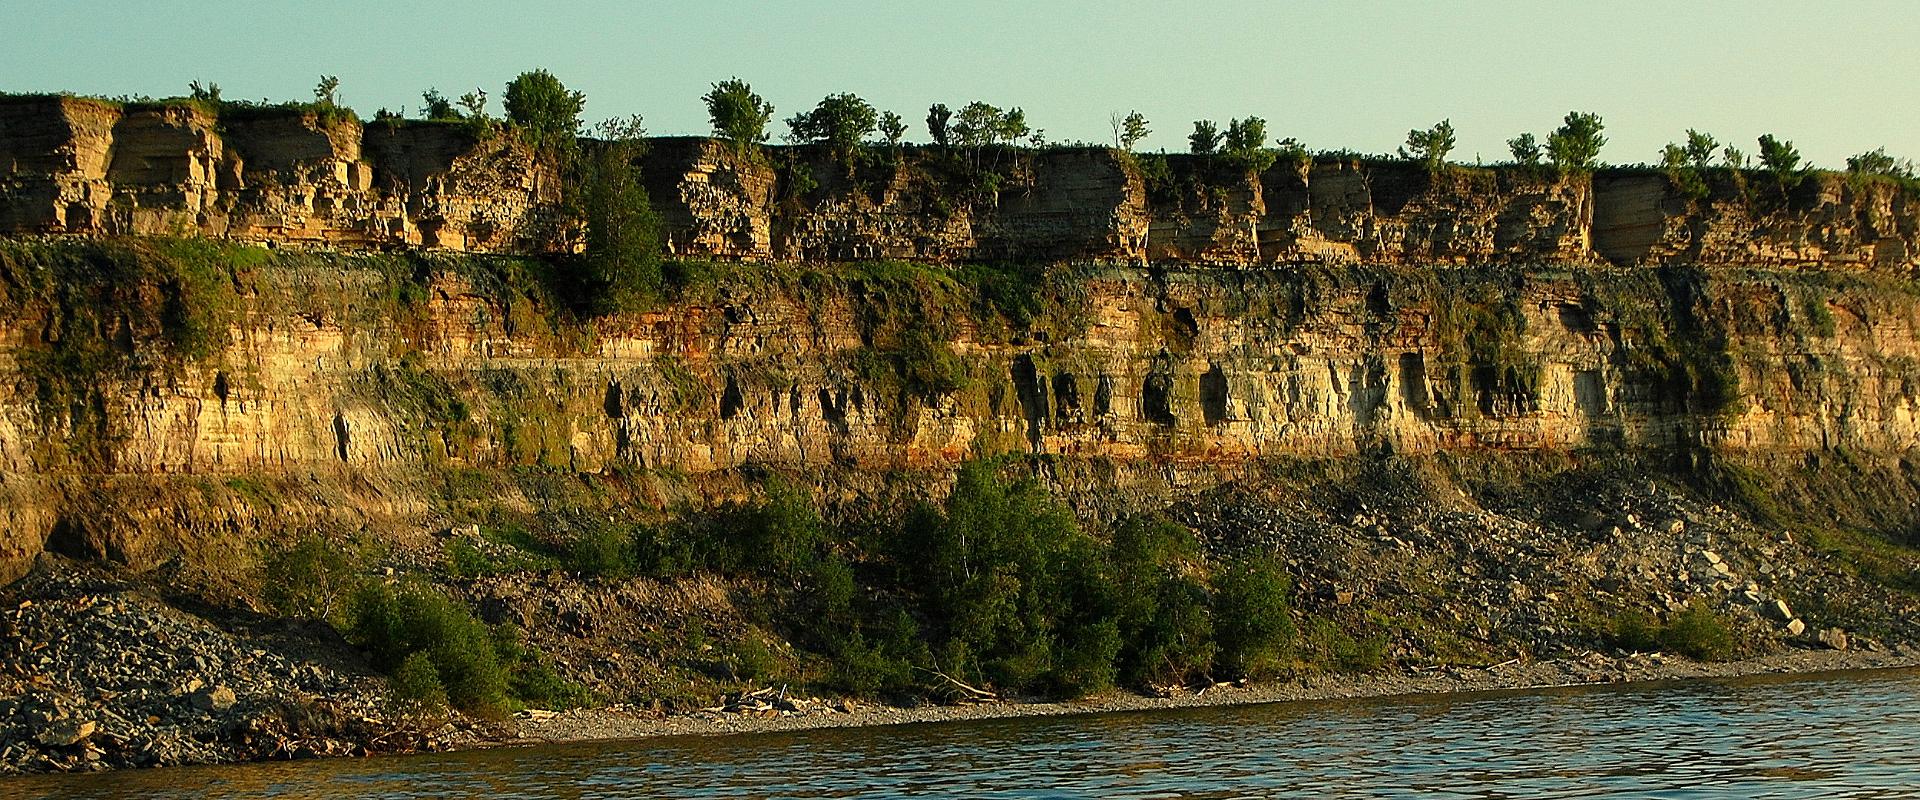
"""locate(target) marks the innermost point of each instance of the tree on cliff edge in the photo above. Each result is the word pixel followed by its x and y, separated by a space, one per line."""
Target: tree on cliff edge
pixel 544 110
pixel 1576 144
pixel 621 265
pixel 840 121
pixel 737 113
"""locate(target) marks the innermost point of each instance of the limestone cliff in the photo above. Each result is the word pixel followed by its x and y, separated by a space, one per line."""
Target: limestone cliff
pixel 373 372
pixel 297 177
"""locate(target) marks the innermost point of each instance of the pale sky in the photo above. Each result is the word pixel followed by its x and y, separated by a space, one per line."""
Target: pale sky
pixel 1836 77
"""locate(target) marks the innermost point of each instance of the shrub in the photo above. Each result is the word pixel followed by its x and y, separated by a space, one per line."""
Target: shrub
pixel 1877 162
pixel 1698 633
pixel 1162 613
pixel 1002 571
pixel 1205 138
pixel 1636 631
pixel 929 369
pixel 1337 649
pixel 394 626
pixel 603 551
pixel 737 113
pixel 416 683
pixel 1782 159
pixel 1252 621
pixel 310 578
pixel 436 106
pixel 1525 149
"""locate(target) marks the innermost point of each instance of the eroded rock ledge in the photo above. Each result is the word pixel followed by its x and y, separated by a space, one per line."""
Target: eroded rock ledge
pixel 80 166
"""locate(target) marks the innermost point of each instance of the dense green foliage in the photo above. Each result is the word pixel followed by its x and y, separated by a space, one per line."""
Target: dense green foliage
pixel 1696 632
pixel 939 121
pixel 620 268
pixel 434 652
pixel 1525 149
pixel 1205 137
pixel 1576 144
pixel 840 121
pixel 1431 146
pixel 737 113
pixel 997 587
pixel 544 110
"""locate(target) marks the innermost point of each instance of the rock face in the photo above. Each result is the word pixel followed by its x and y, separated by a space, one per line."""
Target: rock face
pixel 288 176
pixel 329 375
pixel 275 176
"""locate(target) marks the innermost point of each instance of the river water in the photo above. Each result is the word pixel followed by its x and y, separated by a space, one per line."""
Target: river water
pixel 1837 735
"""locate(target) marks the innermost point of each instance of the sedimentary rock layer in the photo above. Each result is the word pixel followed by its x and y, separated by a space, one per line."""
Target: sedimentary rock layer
pixel 288 176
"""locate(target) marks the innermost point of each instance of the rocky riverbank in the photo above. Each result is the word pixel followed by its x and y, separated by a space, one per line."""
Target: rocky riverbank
pixel 804 714
pixel 98 673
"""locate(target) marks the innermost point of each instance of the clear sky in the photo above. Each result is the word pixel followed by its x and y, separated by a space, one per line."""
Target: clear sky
pixel 1834 76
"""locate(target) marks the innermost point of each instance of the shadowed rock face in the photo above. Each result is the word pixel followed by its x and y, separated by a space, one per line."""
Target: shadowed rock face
pixel 71 165
pixel 78 166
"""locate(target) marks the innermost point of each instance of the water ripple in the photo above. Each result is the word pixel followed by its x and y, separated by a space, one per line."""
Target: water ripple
pixel 1837 736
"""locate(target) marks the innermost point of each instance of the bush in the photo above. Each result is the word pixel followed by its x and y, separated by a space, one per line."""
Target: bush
pixel 840 121
pixel 1335 648
pixel 1253 623
pixel 416 683
pixel 1698 633
pixel 605 551
pixel 1163 614
pixel 394 626
pixel 310 578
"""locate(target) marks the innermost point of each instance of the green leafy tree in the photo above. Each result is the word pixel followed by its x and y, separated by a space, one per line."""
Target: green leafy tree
pixel 1431 146
pixel 1779 157
pixel 1245 144
pixel 977 124
pixel 542 107
pixel 1129 130
pixel 1012 126
pixel 1576 144
pixel 1733 158
pixel 939 119
pixel 840 121
pixel 209 93
pixel 324 93
pixel 474 104
pixel 1205 138
pixel 738 114
pixel 1699 149
pixel 1525 149
pixel 435 105
pixel 893 128
pixel 1252 622
pixel 621 260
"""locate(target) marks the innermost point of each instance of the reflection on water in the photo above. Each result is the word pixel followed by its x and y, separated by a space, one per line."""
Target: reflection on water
pixel 1850 735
